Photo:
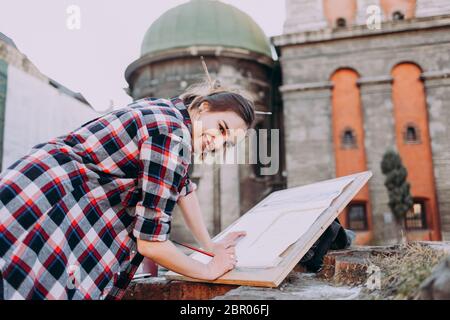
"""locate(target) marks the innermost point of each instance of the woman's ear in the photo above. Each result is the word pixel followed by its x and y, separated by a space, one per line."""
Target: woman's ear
pixel 204 107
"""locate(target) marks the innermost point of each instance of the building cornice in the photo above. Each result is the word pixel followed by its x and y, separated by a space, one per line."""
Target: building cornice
pixel 375 80
pixel 197 51
pixel 306 86
pixel 388 27
pixel 432 75
pixel 363 81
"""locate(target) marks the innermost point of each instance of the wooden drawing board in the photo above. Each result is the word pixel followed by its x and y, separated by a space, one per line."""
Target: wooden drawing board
pixel 273 276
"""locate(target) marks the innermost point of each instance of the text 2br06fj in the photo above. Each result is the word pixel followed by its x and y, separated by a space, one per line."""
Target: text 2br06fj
pixel 237 309
pixel 227 309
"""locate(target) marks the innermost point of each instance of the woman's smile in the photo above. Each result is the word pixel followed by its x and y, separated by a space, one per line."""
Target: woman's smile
pixel 214 131
pixel 207 144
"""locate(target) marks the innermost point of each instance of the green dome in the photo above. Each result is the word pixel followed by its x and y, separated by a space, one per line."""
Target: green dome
pixel 205 22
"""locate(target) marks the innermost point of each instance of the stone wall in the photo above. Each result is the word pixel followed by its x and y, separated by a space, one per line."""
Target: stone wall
pixel 438 100
pixel 308 15
pixel 309 156
pixel 304 15
pixel 427 8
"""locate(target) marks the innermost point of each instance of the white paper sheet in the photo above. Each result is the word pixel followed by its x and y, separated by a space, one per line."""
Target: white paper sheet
pixel 280 221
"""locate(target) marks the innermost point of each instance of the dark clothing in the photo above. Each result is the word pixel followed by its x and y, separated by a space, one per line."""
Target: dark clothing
pixel 335 237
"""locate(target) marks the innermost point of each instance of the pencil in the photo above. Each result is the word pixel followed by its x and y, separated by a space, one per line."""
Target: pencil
pixel 194 248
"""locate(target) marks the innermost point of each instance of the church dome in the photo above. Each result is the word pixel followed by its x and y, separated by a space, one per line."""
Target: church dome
pixel 205 23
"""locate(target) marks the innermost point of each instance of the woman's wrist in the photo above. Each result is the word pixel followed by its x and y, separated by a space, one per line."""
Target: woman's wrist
pixel 208 272
pixel 208 246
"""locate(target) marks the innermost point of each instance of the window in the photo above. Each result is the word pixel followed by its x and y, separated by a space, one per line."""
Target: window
pixel 416 218
pixel 411 134
pixel 357 216
pixel 348 138
pixel 341 23
pixel 398 15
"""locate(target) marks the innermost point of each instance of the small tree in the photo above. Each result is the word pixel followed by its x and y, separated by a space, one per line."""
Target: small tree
pixel 400 199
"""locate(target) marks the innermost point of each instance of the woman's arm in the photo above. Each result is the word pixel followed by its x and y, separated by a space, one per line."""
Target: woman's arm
pixel 166 254
pixel 193 217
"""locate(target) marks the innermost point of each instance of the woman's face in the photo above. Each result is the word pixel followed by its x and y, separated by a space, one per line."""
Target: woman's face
pixel 213 131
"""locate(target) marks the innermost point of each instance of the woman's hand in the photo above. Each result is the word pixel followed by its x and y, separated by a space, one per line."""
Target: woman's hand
pixel 229 241
pixel 223 261
pixel 224 255
pixel 166 254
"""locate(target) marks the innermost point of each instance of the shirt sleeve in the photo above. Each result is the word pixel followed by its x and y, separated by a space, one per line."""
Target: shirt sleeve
pixel 187 187
pixel 164 163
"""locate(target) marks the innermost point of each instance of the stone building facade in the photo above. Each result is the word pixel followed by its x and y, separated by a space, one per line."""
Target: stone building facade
pixel 352 89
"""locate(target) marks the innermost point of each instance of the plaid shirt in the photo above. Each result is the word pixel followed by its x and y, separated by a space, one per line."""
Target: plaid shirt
pixel 71 210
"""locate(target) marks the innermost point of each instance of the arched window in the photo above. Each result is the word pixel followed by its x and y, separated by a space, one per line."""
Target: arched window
pixel 414 143
pixel 348 138
pixel 341 22
pixel 411 134
pixel 397 16
pixel 398 9
pixel 340 13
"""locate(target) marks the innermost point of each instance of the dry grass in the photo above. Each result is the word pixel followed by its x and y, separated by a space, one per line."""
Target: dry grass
pixel 404 271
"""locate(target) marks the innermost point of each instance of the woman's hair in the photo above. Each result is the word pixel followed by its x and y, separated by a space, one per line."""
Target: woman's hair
pixel 220 99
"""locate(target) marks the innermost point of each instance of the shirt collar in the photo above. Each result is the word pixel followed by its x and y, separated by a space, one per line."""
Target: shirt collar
pixel 180 106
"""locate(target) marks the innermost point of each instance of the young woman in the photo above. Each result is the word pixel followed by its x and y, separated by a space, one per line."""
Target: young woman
pixel 79 212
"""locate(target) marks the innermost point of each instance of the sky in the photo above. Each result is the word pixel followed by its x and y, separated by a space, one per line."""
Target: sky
pixel 92 59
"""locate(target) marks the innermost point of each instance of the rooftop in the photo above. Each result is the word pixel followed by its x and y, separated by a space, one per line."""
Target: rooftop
pixel 205 23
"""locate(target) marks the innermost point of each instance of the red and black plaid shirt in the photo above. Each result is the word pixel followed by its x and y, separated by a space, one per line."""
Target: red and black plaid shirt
pixel 71 210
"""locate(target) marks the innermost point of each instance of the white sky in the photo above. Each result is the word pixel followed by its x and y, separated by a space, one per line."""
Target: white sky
pixel 92 60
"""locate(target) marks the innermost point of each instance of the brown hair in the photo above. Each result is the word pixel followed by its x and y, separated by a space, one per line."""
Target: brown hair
pixel 220 99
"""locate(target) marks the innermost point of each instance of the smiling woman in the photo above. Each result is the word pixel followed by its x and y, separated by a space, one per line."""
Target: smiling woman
pixel 219 116
pixel 78 213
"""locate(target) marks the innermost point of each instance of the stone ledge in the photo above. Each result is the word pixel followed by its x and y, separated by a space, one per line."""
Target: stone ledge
pixel 349 266
pixel 357 31
pixel 159 288
pixel 342 277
